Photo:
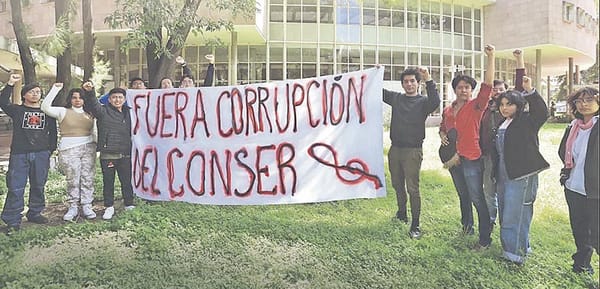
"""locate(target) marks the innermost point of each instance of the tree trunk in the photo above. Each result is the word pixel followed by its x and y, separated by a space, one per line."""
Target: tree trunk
pixel 63 61
pixel 27 61
pixel 162 66
pixel 88 40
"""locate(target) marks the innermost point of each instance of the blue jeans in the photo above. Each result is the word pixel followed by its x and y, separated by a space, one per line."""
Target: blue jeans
pixel 489 186
pixel 516 199
pixel 466 210
pixel 473 172
pixel 20 167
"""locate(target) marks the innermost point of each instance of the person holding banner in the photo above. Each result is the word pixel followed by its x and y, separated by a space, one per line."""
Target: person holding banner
pixel 187 78
pixel 407 132
pixel 76 150
pixel 33 141
pixel 464 116
pixel 114 145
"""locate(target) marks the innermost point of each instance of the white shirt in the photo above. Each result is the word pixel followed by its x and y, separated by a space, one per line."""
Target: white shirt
pixel 576 181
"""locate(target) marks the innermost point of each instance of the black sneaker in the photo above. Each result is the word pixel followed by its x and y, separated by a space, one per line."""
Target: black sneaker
pixel 480 247
pixel 583 269
pixel 415 233
pixel 11 230
pixel 39 219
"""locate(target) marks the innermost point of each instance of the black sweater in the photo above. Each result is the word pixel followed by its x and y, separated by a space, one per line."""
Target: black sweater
pixel 522 155
pixel 114 126
pixel 409 114
pixel 33 130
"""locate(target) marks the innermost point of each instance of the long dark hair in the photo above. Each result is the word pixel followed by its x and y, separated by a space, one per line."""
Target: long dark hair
pixel 581 93
pixel 70 96
pixel 513 97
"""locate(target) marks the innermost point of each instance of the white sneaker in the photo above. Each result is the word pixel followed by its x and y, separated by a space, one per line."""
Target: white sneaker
pixel 88 212
pixel 108 213
pixel 128 208
pixel 71 214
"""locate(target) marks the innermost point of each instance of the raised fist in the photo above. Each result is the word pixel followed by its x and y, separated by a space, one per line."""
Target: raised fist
pixel 179 59
pixel 14 78
pixel 424 72
pixel 517 52
pixel 58 85
pixel 88 86
pixel 210 58
pixel 489 50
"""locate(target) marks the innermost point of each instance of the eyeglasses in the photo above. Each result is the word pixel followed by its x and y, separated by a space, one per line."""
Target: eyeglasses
pixel 587 99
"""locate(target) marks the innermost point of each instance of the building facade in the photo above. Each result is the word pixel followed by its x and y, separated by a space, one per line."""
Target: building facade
pixel 289 39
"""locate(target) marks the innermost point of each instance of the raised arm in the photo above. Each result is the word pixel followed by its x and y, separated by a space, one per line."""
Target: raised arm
pixel 5 103
pixel 210 72
pixel 57 112
pixel 433 97
pixel 520 71
pixel 486 87
pixel 538 111
pixel 90 102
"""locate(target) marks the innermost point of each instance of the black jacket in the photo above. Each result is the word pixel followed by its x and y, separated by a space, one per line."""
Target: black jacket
pixel 114 126
pixel 33 130
pixel 591 161
pixel 409 115
pixel 522 155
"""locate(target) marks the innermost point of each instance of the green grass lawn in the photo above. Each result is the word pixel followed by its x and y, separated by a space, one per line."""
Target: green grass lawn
pixel 346 244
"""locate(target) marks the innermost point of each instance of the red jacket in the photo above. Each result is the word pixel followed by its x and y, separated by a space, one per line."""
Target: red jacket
pixel 467 122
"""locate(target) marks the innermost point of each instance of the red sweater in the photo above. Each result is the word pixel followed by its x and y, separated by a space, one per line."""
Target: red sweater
pixel 467 122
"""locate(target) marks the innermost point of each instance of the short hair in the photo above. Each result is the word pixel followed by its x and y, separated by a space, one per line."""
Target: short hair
pixel 161 80
pixel 28 87
pixel 465 78
pixel 514 97
pixel 133 79
pixel 70 96
pixel 187 76
pixel 579 93
pixel 117 90
pixel 410 71
pixel 498 82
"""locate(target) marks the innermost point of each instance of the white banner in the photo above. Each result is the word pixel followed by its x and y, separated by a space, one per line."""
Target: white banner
pixel 297 141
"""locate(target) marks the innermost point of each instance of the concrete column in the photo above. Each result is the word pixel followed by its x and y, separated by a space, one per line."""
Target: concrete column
pixel 117 62
pixel 538 69
pixel 577 75
pixel 233 60
pixel 570 76
pixel 548 90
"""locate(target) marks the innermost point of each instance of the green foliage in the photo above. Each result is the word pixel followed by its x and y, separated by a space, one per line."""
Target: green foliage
pixel 163 23
pixel 101 72
pixel 344 244
pixel 60 38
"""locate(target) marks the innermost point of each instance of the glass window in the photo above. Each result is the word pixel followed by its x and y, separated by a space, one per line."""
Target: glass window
pixel 385 57
pixel 467 43
pixel 384 18
pixel 276 54
pixel 294 14
pixel 435 59
pixel 326 69
pixel 276 31
pixel 457 11
pixel 397 18
pixel 309 70
pixel 326 14
pixel 477 13
pixel 369 55
pixel 294 31
pixel 435 22
pixel 477 43
pixel 397 72
pixel 309 33
pixel 276 13
pixel 370 34
pixel 425 22
pixel 413 58
pixel 310 14
pixel 348 33
pixel 258 52
pixel 191 54
pixel 458 25
pixel 294 71
pixel 242 53
pixel 568 13
pixel 447 9
pixel 425 59
pixel 309 54
pixel 580 16
pixel 294 54
pixel 369 16
pixel 413 19
pixel 398 57
pixel 467 12
pixel 326 33
pixel 134 56
pixel 276 71
pixel 326 54
pixel 467 26
pixel 477 27
pixel 447 23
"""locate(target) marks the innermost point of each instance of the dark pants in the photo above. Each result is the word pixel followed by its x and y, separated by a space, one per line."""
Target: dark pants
pixel 583 214
pixel 122 167
pixel 405 166
pixel 21 167
pixel 466 209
